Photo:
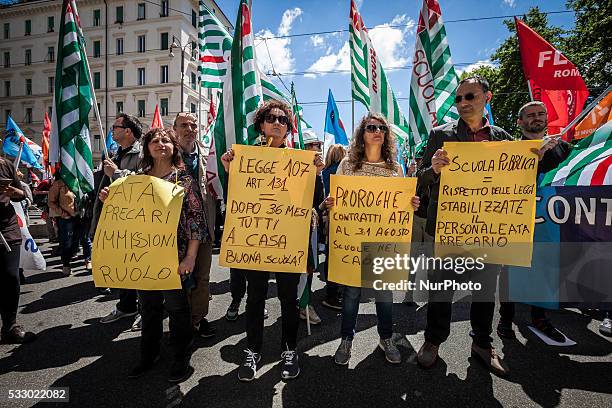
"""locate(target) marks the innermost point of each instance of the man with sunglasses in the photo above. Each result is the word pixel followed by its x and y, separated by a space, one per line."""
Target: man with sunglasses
pixel 471 97
pixel 127 130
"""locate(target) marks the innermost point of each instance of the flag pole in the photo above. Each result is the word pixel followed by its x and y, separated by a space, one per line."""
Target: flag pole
pixel 352 115
pixel 18 158
pixel 199 108
pixel 530 91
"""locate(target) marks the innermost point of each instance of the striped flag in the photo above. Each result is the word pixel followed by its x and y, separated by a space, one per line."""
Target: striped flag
pixel 297 139
pixel 589 164
pixel 434 80
pixel 215 45
pixel 70 143
pixel 369 82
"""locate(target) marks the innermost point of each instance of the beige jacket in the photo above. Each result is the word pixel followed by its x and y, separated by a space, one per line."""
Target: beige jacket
pixel 61 200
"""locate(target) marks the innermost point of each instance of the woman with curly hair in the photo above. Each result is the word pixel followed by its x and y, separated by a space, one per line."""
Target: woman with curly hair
pixel 372 152
pixel 272 119
pixel 162 159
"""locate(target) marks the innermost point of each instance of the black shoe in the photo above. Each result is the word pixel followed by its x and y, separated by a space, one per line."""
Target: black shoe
pixel 248 369
pixel 22 279
pixel 549 330
pixel 143 367
pixel 505 330
pixel 266 315
pixel 232 311
pixel 332 303
pixel 206 329
pixel 290 367
pixel 104 291
pixel 179 371
pixel 17 335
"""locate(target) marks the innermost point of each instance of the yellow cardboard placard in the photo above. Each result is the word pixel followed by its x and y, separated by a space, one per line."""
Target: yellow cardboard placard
pixel 135 243
pixel 366 209
pixel 269 209
pixel 486 205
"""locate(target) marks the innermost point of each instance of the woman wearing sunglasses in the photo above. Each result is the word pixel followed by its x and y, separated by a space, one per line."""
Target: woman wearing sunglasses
pixel 272 119
pixel 372 153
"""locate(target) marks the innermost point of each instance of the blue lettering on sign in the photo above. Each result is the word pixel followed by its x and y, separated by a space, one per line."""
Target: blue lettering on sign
pixel 30 242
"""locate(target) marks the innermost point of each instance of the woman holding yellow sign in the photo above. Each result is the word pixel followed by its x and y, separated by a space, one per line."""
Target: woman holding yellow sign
pixel 372 153
pixel 162 159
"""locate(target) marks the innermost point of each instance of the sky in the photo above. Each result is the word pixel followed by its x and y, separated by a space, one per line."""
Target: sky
pixel 391 25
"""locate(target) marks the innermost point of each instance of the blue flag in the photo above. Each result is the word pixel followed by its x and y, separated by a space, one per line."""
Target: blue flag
pixel 489 114
pixel 111 145
pixel 334 132
pixel 13 137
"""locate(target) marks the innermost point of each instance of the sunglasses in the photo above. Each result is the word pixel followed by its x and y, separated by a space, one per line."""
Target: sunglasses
pixel 374 128
pixel 283 120
pixel 468 97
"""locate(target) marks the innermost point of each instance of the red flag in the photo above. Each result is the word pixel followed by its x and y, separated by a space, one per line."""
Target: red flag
pixel 553 79
pixel 46 134
pixel 157 119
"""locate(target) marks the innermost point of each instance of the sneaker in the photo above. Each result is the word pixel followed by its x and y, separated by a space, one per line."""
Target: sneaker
pixel 115 315
pixel 88 265
pixel 605 327
pixel 248 369
pixel 142 367
pixel 66 271
pixel 427 355
pixel 137 325
pixel 490 359
pixel 232 311
pixel 549 330
pixel 343 354
pixel 332 303
pixel 206 329
pixel 392 354
pixel 104 291
pixel 266 315
pixel 505 330
pixel 179 371
pixel 17 335
pixel 312 315
pixel 290 367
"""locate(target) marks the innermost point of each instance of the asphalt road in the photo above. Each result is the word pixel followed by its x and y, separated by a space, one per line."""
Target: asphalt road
pixel 74 350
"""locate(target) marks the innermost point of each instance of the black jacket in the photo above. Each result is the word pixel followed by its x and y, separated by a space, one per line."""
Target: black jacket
pixel 455 131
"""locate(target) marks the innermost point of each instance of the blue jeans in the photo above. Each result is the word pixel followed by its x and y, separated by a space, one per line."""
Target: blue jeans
pixel 350 309
pixel 72 233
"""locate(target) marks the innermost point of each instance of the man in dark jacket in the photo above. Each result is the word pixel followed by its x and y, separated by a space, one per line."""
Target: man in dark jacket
pixel 471 97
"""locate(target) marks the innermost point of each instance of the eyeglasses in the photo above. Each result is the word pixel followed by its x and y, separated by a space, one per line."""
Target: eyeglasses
pixel 468 97
pixel 283 120
pixel 119 127
pixel 374 128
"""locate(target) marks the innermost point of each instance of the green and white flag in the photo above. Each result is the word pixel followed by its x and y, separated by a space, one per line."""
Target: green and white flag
pixel 369 82
pixel 215 45
pixel 434 80
pixel 73 101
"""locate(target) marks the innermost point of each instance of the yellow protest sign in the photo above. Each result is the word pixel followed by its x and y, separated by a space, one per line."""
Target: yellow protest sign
pixel 486 204
pixel 269 209
pixel 135 243
pixel 366 209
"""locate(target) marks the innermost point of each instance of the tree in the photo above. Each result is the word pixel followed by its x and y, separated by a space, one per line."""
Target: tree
pixel 589 43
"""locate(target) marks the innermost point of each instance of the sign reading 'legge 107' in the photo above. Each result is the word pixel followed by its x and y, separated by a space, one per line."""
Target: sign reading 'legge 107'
pixel 135 243
pixel 486 204
pixel 269 209
pixel 366 209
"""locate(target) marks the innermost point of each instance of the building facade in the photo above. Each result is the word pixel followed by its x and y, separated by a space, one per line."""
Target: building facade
pixel 134 50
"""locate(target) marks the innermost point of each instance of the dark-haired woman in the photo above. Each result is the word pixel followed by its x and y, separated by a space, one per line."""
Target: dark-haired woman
pixel 272 119
pixel 372 153
pixel 162 159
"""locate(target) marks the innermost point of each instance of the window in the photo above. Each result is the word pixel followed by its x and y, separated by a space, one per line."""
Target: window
pixel 50 84
pixel 28 115
pixel 193 80
pixel 163 74
pixel 119 14
pixel 7 88
pixel 164 106
pixel 7 113
pixel 50 110
pixel 141 43
pixel 96 53
pixel 194 50
pixel 119 78
pixel 119 46
pixel 28 84
pixel 96 18
pixel 193 108
pixel 50 24
pixel 119 107
pixel 141 76
pixel 141 108
pixel 51 54
pixel 96 80
pixel 28 57
pixel 164 41
pixel 7 31
pixel 7 59
pixel 96 146
pixel 194 18
pixel 165 8
pixel 142 11
pixel 28 27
